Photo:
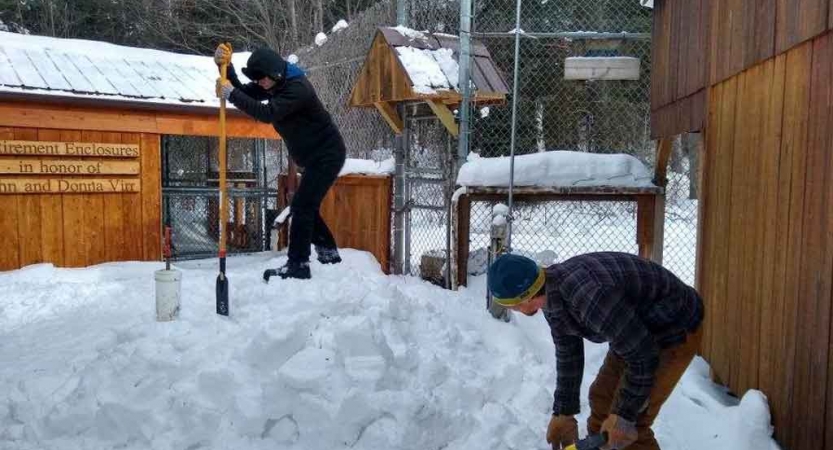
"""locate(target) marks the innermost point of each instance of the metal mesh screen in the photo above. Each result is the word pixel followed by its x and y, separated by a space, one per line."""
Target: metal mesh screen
pixel 191 198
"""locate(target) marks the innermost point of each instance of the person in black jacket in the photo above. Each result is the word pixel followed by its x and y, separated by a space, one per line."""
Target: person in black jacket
pixel 312 138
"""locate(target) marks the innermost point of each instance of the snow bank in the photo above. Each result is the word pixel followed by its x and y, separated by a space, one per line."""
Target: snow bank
pixel 557 169
pixel 353 359
pixel 368 167
pixel 340 25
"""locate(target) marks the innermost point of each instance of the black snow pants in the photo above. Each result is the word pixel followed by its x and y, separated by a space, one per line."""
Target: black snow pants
pixel 307 226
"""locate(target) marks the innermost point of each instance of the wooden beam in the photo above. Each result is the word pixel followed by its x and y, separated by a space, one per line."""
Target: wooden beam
pixel 664 147
pixel 88 118
pixel 390 115
pixel 645 226
pixel 445 115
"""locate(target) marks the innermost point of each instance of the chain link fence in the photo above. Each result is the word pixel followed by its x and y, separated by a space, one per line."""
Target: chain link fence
pixel 553 114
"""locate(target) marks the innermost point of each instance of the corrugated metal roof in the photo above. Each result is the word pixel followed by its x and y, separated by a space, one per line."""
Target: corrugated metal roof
pixel 105 71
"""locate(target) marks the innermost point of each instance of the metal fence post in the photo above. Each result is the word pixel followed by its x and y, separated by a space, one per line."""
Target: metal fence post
pixel 402 13
pixel 464 81
pixel 513 143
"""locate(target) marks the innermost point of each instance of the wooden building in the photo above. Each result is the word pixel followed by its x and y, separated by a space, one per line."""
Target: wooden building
pixel 755 78
pixel 81 126
pixel 83 133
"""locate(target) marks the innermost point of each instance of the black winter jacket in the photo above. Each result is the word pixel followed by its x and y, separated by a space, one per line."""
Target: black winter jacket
pixel 293 108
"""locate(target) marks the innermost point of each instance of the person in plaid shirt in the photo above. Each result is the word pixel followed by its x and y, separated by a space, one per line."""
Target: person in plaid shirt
pixel 649 317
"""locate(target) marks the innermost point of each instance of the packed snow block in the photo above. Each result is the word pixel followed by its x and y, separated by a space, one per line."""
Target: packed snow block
pixel 283 430
pixel 271 347
pixel 120 424
pixel 308 369
pixel 218 387
pixel 365 356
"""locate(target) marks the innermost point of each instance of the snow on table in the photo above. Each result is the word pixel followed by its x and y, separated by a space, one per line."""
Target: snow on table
pixel 556 169
pixel 351 359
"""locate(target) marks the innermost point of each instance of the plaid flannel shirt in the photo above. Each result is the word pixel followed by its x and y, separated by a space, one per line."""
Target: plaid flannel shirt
pixel 634 304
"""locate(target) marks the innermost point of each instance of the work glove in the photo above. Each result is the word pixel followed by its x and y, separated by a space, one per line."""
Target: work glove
pixel 224 88
pixel 222 55
pixel 562 431
pixel 620 432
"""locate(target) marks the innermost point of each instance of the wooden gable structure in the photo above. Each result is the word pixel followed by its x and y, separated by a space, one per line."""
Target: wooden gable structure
pixel 384 80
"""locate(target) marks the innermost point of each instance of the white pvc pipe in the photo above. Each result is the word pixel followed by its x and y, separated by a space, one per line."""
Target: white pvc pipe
pixel 168 292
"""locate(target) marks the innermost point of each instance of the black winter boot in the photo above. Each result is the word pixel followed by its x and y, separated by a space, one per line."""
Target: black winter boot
pixel 328 255
pixel 289 270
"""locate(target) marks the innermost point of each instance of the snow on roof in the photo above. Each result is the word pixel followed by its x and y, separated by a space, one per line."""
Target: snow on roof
pixel 92 69
pixel 430 70
pixel 557 169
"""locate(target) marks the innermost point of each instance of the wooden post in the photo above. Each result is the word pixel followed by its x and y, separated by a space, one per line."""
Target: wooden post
pixel 645 225
pixel 701 210
pixel 664 147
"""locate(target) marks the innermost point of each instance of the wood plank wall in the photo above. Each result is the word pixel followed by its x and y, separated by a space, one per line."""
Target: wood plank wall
pixel 358 211
pixel 767 245
pixel 679 68
pixel 75 230
pixel 700 43
pixel 382 79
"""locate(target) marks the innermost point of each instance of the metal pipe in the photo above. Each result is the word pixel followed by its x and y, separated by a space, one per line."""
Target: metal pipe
pixel 455 218
pixel 514 119
pixel 401 13
pixel 399 203
pixel 464 81
pixel 568 35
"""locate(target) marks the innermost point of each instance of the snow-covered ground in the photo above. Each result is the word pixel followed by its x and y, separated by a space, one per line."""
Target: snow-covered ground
pixel 351 359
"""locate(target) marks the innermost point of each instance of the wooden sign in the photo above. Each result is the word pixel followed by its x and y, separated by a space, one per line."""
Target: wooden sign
pixel 601 68
pixel 68 185
pixel 36 166
pixel 75 149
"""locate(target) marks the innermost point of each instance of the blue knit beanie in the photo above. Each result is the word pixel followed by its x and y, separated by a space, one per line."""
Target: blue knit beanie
pixel 514 279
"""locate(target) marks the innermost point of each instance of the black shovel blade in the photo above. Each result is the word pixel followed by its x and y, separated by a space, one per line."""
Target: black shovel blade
pixel 222 295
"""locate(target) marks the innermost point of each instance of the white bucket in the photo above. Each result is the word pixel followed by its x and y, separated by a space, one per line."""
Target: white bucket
pixel 168 290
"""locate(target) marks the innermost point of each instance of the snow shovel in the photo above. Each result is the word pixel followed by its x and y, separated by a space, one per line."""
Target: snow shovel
pixel 222 280
pixel 589 443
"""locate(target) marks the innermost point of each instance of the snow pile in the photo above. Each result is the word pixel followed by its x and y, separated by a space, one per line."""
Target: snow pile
pixel 430 70
pixel 557 169
pixel 292 59
pixel 353 359
pixel 320 39
pixel 411 33
pixel 340 25
pixel 368 167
